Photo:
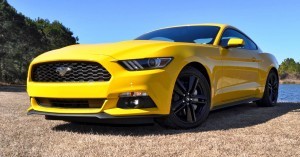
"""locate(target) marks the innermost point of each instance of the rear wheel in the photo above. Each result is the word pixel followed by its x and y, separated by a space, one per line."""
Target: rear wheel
pixel 190 101
pixel 271 91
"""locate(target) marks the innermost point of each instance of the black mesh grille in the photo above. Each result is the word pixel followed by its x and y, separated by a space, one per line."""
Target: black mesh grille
pixel 70 103
pixel 76 72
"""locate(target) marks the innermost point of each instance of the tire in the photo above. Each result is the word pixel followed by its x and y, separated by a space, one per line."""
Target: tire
pixel 190 101
pixel 270 96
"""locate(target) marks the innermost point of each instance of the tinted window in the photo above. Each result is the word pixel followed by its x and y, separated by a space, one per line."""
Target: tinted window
pixel 252 45
pixel 231 33
pixel 189 34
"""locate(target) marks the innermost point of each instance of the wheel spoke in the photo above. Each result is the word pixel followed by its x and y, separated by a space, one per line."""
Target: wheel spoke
pixel 193 113
pixel 202 97
pixel 271 94
pixel 177 104
pixel 202 103
pixel 178 91
pixel 274 92
pixel 272 80
pixel 275 84
pixel 269 85
pixel 180 108
pixel 274 96
pixel 193 82
pixel 190 115
pixel 181 86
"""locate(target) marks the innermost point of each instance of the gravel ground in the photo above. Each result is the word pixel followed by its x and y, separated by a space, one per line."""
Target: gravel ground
pixel 243 130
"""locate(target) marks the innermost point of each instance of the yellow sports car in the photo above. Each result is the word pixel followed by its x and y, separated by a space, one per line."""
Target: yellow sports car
pixel 174 76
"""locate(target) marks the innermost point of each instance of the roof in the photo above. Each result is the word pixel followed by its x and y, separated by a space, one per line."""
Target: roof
pixel 204 24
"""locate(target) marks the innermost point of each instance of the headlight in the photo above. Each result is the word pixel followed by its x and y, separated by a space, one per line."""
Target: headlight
pixel 145 64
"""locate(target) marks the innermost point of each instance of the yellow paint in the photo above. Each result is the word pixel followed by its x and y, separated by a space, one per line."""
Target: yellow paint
pixel 235 42
pixel 233 73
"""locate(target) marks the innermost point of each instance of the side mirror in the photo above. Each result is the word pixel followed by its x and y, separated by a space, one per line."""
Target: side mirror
pixel 235 42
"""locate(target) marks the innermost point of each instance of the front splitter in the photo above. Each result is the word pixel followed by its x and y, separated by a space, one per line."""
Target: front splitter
pixel 97 118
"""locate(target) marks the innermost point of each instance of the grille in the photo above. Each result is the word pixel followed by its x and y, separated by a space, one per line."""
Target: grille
pixel 70 103
pixel 74 72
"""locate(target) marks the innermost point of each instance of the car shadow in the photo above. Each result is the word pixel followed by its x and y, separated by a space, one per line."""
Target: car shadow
pixel 13 88
pixel 241 116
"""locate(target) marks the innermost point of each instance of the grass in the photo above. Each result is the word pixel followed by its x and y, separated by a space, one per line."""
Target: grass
pixel 244 130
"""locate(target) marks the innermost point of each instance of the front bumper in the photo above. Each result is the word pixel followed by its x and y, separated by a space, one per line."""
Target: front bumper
pixel 157 83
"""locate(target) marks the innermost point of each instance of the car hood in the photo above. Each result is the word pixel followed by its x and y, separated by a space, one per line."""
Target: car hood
pixel 120 50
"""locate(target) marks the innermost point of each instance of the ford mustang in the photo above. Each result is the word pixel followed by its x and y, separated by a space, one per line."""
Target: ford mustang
pixel 173 76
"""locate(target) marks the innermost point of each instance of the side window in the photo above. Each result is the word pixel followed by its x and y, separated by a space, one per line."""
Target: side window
pixel 252 45
pixel 204 41
pixel 231 33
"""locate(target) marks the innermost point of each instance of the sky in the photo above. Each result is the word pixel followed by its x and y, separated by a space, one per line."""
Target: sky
pixel 272 24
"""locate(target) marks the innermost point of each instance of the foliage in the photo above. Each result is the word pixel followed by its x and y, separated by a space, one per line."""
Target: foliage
pixel 289 66
pixel 22 39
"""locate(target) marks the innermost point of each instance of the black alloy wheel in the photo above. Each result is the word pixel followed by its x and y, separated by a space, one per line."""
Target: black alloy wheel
pixel 273 88
pixel 271 91
pixel 190 100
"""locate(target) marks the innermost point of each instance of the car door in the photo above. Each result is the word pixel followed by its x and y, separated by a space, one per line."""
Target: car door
pixel 239 68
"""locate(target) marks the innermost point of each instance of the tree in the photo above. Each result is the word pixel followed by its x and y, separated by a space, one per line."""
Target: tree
pixel 289 66
pixel 22 39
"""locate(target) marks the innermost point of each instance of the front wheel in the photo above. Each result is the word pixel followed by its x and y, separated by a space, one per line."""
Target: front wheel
pixel 271 91
pixel 190 101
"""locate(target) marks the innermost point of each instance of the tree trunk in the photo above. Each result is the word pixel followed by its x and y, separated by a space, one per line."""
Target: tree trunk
pixel 1 70
pixel 20 79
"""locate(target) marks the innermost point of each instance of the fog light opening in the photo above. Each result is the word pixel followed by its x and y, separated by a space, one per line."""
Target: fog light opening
pixel 135 100
pixel 134 103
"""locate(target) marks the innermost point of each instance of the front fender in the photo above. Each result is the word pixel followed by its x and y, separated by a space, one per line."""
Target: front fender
pixel 206 56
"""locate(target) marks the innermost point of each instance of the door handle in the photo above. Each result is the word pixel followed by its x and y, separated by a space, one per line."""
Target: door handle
pixel 253 59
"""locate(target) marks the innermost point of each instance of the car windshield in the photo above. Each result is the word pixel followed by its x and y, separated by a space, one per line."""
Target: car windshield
pixel 189 34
